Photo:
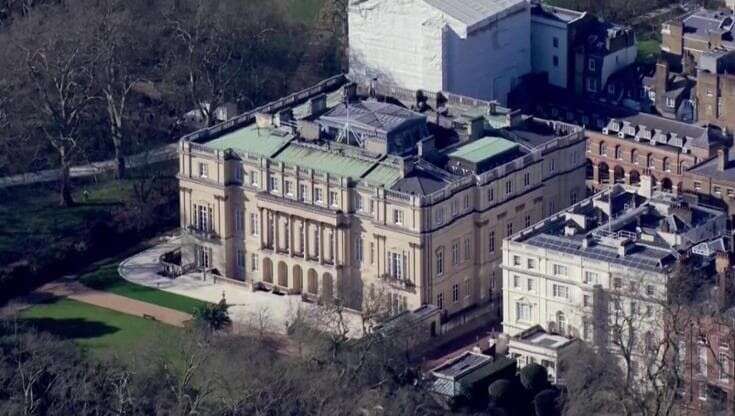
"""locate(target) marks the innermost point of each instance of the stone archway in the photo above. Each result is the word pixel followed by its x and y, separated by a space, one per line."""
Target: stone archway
pixel 666 185
pixel 619 175
pixel 297 282
pixel 282 274
pixel 267 270
pixel 635 178
pixel 312 282
pixel 604 173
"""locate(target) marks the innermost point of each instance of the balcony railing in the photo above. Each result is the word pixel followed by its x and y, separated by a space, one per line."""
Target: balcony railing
pixel 202 234
pixel 398 283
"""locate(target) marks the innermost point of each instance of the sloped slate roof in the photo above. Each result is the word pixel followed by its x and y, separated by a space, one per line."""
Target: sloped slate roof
pixel 372 115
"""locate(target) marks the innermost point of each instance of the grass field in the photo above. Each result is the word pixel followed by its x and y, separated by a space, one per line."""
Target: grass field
pixel 648 50
pixel 106 278
pixel 305 11
pixel 95 329
pixel 33 222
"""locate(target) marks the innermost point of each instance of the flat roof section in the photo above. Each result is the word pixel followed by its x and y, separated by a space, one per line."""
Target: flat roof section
pixel 329 162
pixel 383 175
pixel 483 149
pixel 251 139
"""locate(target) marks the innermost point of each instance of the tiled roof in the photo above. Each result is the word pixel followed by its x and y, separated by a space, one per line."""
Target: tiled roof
pixel 372 115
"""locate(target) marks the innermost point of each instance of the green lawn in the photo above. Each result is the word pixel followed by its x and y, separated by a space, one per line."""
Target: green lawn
pixel 305 11
pixel 34 223
pixel 95 329
pixel 106 278
pixel 648 50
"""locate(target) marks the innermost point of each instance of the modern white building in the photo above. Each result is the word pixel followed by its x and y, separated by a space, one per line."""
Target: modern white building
pixel 552 42
pixel 598 271
pixel 477 48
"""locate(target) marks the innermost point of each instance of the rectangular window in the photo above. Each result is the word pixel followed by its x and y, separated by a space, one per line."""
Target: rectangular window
pixel 516 282
pixel 239 220
pixel 254 224
pixel 397 217
pixel 508 187
pixel 439 216
pixel 703 361
pixel 333 199
pixel 318 196
pixel 358 250
pixel 273 184
pixel 586 300
pixel 358 203
pixel 440 301
pixel 516 261
pixel 288 188
pixel 203 170
pixel 396 263
pixel 560 291
pixel 527 221
pixel 303 192
pixel 509 229
pixel 455 293
pixel 590 278
pixel 254 262
pixel 455 207
pixel 526 179
pixel 555 41
pixel 531 263
pixel 240 258
pixel 530 285
pixel 455 252
pixel 440 261
pixel 490 195
pixel 724 364
pixel 523 312
pixel 555 60
pixel 491 242
pixel 467 201
pixel 467 288
pixel 617 283
pixel 467 248
pixel 560 270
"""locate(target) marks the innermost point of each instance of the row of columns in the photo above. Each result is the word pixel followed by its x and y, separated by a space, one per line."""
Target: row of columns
pixel 328 239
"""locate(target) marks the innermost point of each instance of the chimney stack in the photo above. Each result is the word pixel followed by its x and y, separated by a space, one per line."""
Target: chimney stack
pixel 723 159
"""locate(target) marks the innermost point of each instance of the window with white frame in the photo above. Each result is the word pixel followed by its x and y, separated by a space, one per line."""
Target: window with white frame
pixel 203 170
pixel 723 360
pixel 358 249
pixel 439 216
pixel 303 192
pixel 526 179
pixel 516 282
pixel 455 252
pixel 288 188
pixel 439 261
pixel 509 229
pixel 359 205
pixel 254 263
pixel 254 224
pixel 523 311
pixel 530 284
pixel 491 242
pixel 508 187
pixel 396 265
pixel 559 270
pixel 273 183
pixel 516 261
pixel 397 217
pixel 490 195
pixel 530 263
pixel 590 278
pixel 203 217
pixel 560 291
pixel 455 293
pixel 318 196
pixel 467 249
pixel 333 198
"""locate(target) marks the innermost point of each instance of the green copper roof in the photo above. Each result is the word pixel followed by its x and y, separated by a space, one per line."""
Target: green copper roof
pixel 250 139
pixel 383 175
pixel 323 161
pixel 483 149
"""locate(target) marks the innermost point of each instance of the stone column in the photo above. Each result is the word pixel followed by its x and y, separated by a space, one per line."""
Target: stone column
pixel 305 233
pixel 290 240
pixel 595 173
pixel 275 230
pixel 320 243
pixel 262 229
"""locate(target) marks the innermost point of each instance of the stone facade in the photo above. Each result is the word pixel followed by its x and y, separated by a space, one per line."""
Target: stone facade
pixel 290 227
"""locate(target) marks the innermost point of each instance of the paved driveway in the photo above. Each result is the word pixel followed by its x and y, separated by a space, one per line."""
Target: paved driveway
pixel 249 308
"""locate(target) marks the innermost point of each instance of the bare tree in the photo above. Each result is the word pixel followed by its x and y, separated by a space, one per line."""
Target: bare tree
pixel 55 79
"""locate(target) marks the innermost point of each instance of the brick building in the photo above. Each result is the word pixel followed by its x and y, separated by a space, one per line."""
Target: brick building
pixel 715 92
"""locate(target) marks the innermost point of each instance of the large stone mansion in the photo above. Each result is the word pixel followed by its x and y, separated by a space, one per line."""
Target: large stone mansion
pixel 342 190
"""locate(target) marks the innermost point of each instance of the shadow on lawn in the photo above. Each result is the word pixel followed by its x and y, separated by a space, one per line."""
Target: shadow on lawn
pixel 71 328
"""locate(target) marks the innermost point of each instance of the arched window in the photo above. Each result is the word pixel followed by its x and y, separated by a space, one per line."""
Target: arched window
pixel 618 152
pixel 634 156
pixel 603 148
pixel 649 160
pixel 666 165
pixel 561 322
